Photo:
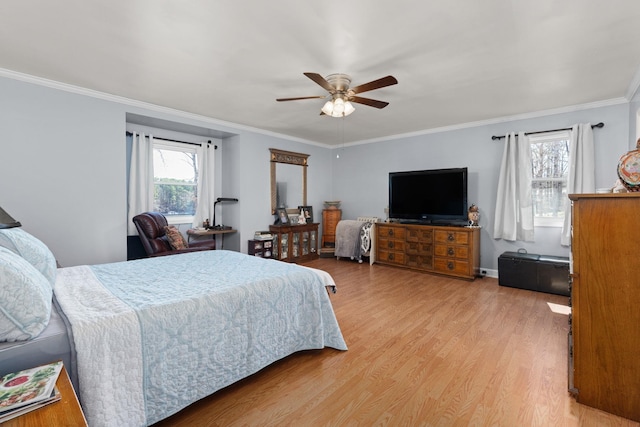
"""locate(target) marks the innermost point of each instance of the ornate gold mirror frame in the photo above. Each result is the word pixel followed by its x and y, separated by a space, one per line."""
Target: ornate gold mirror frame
pixel 291 158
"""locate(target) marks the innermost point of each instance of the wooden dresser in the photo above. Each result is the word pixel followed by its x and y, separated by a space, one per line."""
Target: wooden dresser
pixel 604 327
pixel 453 251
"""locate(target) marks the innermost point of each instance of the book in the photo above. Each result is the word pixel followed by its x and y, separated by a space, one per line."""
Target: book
pixel 263 235
pixel 21 410
pixel 28 390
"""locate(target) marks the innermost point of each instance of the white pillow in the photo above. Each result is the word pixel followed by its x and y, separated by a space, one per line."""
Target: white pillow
pixel 30 248
pixel 25 298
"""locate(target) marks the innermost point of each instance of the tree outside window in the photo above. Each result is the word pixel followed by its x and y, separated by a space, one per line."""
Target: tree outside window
pixel 550 166
pixel 175 176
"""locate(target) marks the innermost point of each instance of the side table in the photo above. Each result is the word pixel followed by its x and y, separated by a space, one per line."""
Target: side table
pixel 65 412
pixel 210 232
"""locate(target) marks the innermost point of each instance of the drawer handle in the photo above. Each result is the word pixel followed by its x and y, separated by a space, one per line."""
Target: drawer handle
pixel 390 245
pixel 450 265
pixel 451 237
pixel 450 252
pixel 390 232
pixel 390 257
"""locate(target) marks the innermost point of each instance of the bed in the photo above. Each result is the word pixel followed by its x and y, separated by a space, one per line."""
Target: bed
pixel 355 238
pixel 147 338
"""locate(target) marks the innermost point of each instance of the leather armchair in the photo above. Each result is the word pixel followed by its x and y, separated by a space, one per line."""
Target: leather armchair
pixel 151 229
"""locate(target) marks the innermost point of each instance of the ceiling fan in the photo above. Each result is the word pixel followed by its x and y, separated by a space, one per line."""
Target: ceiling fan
pixel 342 95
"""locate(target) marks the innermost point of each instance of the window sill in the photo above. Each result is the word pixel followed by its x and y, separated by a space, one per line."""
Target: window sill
pixel 179 219
pixel 548 223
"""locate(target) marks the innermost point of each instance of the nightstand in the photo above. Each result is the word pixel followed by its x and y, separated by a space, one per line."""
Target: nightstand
pixel 66 412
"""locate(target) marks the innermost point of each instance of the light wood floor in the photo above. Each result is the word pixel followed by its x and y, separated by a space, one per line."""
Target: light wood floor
pixel 423 350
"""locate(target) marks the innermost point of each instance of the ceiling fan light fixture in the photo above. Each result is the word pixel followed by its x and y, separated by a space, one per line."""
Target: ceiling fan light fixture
pixel 337 85
pixel 338 107
pixel 348 108
pixel 328 108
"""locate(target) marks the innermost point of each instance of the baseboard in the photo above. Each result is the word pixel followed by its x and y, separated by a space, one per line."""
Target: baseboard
pixel 485 272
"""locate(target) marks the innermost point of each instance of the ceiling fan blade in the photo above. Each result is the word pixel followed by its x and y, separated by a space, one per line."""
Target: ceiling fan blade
pixel 376 84
pixel 368 101
pixel 321 81
pixel 299 98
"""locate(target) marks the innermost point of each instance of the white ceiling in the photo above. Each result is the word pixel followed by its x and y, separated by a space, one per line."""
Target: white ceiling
pixel 456 61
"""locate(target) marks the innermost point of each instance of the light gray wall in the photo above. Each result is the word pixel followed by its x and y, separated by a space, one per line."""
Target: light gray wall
pixel 63 169
pixel 361 171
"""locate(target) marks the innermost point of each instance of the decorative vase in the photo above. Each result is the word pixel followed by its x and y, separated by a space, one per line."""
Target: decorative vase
pixel 629 169
pixel 334 204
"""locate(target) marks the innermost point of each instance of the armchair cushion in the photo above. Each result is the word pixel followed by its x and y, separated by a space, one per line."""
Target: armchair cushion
pixel 176 240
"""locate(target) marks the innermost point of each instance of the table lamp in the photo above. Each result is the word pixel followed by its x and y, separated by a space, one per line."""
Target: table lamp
pixel 218 200
pixel 7 221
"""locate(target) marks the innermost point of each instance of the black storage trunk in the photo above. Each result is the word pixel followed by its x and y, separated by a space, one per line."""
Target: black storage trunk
pixel 542 273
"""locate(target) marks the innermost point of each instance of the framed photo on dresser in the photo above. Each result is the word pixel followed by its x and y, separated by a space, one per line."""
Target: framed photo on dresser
pixel 283 217
pixel 308 213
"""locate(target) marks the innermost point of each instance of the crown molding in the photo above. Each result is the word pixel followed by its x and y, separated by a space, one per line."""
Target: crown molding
pixel 505 119
pixel 631 92
pixel 40 81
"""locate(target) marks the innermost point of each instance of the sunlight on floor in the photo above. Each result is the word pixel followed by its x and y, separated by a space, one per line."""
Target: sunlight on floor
pixel 559 308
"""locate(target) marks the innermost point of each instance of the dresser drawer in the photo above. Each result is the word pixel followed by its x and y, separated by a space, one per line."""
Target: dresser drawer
pixel 450 236
pixel 331 222
pixel 391 244
pixel 419 235
pixel 423 262
pixel 452 251
pixel 446 265
pixel 419 248
pixel 391 257
pixel 385 231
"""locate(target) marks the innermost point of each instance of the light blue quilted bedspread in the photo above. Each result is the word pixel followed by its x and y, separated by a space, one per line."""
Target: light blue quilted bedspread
pixel 205 320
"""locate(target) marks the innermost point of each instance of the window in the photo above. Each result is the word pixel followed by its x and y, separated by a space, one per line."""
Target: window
pixel 175 177
pixel 550 162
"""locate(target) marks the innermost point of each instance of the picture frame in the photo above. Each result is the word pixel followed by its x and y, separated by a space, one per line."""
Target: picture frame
pixel 293 218
pixel 308 213
pixel 283 217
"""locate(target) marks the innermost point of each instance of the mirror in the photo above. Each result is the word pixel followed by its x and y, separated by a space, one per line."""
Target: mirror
pixel 284 172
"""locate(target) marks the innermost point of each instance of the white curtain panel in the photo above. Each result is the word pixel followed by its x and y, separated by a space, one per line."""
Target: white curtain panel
pixel 140 179
pixel 582 173
pixel 206 162
pixel 514 203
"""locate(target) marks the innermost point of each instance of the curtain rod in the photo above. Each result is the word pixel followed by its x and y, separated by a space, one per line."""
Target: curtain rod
pixel 599 125
pixel 215 147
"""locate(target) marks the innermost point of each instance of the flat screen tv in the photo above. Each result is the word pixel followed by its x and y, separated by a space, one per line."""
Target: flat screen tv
pixel 435 196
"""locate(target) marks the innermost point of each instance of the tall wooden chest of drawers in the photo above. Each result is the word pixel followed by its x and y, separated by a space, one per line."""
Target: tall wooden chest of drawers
pixel 604 336
pixel 330 219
